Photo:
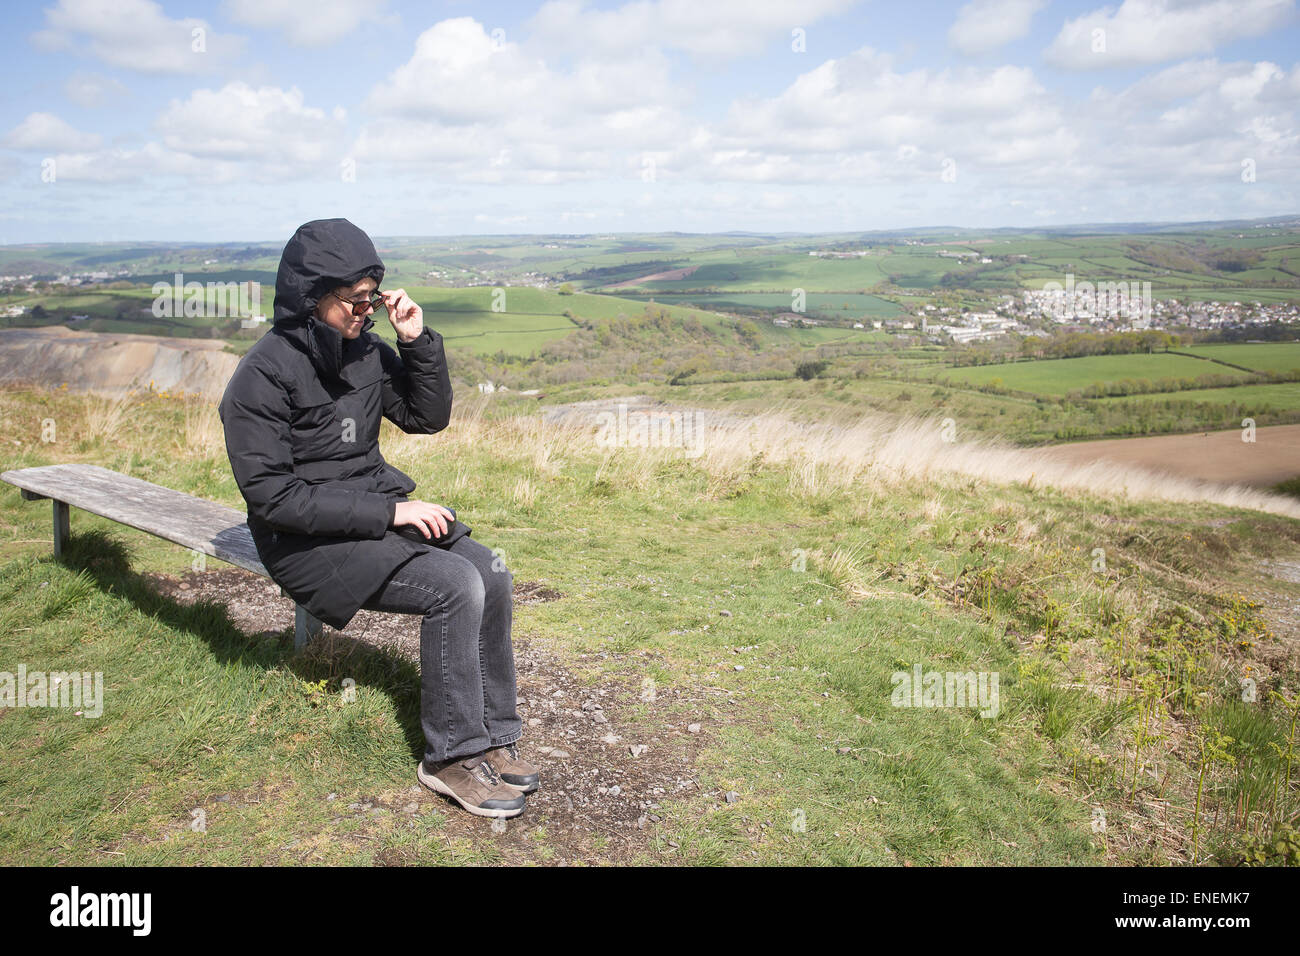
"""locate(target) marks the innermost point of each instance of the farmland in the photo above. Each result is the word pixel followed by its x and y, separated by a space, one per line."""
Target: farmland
pixel 1260 357
pixel 1063 376
pixel 575 313
pixel 1279 398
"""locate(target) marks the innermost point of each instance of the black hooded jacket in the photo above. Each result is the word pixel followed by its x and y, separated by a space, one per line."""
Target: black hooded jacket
pixel 301 415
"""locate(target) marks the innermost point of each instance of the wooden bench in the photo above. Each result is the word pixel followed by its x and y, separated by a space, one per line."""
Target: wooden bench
pixel 191 522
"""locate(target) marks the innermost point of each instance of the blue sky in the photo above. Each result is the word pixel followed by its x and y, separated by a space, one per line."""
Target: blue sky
pixel 239 119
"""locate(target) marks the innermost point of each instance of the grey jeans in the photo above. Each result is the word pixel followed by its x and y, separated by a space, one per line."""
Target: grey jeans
pixel 467 665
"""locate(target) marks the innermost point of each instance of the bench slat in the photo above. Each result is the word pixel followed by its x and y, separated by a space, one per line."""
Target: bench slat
pixel 205 526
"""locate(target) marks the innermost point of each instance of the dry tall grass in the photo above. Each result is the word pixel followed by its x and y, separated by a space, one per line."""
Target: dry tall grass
pixel 106 413
pixel 873 452
pixel 204 434
pixel 880 450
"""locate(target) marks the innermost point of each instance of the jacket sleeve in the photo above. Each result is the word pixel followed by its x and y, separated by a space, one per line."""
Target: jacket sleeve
pixel 255 413
pixel 417 386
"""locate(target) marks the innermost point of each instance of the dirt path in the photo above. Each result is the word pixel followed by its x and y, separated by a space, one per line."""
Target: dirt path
pixel 1273 457
pixel 598 802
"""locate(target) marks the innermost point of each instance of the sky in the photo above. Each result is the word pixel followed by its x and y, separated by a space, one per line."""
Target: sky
pixel 237 120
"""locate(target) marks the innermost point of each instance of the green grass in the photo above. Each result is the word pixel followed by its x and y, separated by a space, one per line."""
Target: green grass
pixel 1059 377
pixel 197 717
pixel 953 575
pixel 1282 397
pixel 783 272
pixel 1261 357
pixel 829 305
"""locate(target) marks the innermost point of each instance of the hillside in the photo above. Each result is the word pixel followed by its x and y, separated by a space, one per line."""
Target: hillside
pixel 110 362
pixel 745 613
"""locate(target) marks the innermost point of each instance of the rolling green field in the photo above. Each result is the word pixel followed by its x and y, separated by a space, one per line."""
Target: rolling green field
pixel 1225 262
pixel 465 318
pixel 1061 376
pixel 747 278
pixel 1281 397
pixel 845 305
pixel 1261 357
pixel 536 316
pixel 127 311
pixel 778 272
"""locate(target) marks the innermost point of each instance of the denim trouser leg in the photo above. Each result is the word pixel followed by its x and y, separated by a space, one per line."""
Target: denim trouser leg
pixel 496 654
pixel 467 665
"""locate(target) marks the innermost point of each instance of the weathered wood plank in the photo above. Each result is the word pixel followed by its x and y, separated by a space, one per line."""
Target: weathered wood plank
pixel 191 522
pixel 205 526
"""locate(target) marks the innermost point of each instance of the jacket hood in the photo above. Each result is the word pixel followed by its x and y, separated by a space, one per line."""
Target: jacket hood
pixel 321 255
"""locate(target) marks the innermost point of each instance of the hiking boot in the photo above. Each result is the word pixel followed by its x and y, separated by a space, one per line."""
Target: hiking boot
pixel 474 784
pixel 513 771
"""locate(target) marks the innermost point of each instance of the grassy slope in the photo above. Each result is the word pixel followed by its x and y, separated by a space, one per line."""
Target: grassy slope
pixel 465 316
pixel 648 550
pixel 1282 397
pixel 1018 417
pixel 1060 376
pixel 1271 357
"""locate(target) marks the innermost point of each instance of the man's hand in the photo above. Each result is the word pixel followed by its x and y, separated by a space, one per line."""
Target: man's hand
pixel 427 517
pixel 406 316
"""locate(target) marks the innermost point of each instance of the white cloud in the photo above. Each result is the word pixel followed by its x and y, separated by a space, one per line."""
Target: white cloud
pixel 458 73
pixel 489 111
pixel 149 162
pixel 265 125
pixel 45 131
pixel 136 35
pixel 1177 82
pixel 985 25
pixel 475 112
pixel 93 90
pixel 719 28
pixel 857 118
pixel 1233 112
pixel 597 97
pixel 1155 31
pixel 324 23
pixel 236 134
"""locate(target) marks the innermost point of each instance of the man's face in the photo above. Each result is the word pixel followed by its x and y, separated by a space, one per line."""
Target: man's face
pixel 335 309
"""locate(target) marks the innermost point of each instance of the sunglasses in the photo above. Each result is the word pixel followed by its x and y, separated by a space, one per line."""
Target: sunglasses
pixel 360 306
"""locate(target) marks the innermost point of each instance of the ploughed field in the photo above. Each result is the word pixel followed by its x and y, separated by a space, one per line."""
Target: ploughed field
pixel 1222 456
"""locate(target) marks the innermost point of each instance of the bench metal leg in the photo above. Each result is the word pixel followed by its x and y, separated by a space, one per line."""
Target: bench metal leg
pixel 62 528
pixel 305 627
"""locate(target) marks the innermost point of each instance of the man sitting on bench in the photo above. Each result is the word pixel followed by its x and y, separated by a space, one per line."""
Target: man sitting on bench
pixel 331 519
